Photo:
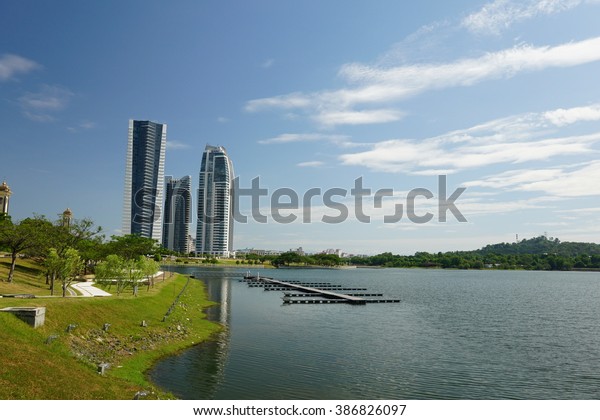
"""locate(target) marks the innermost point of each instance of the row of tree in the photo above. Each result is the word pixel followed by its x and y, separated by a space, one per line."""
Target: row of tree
pixel 470 260
pixel 531 254
pixel 539 253
pixel 293 258
pixel 122 273
pixel 67 250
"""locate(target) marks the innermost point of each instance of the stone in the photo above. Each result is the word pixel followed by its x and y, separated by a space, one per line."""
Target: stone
pixel 102 368
pixel 34 316
pixel 51 338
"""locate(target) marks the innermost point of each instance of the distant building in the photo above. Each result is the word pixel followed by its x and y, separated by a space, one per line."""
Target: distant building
pixel 5 194
pixel 177 215
pixel 261 252
pixel 298 251
pixel 191 244
pixel 67 216
pixel 144 179
pixel 214 235
pixel 332 251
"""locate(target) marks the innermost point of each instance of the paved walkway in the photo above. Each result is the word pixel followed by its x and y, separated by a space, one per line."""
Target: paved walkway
pixel 87 289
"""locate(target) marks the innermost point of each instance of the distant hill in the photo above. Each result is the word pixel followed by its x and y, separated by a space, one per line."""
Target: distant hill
pixel 542 245
pixel 541 253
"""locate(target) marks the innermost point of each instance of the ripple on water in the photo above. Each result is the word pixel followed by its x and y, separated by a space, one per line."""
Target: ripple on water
pixel 455 335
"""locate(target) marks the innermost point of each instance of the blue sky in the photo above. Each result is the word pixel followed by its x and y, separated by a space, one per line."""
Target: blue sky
pixel 500 96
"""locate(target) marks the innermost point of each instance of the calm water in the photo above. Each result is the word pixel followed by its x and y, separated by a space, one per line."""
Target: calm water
pixel 456 334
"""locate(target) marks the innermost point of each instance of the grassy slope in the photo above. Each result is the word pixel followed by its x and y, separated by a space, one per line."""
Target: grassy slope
pixel 66 368
pixel 28 278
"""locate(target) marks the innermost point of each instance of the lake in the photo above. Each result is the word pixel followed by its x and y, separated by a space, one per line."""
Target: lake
pixel 455 335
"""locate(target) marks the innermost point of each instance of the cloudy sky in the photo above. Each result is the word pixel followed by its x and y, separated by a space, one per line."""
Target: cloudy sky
pixel 500 97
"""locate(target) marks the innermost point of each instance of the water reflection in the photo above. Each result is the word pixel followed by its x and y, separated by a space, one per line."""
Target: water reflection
pixel 456 334
pixel 199 370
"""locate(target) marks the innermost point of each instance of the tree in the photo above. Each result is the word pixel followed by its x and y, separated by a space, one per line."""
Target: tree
pixel 134 271
pixel 130 247
pixel 52 264
pixel 91 252
pixel 149 268
pixel 64 268
pixel 112 271
pixel 288 258
pixel 20 237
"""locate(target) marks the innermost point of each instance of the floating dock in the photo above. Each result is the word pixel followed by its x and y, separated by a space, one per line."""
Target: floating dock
pixel 315 293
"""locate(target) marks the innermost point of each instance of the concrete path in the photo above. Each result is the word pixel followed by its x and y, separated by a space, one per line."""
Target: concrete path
pixel 87 289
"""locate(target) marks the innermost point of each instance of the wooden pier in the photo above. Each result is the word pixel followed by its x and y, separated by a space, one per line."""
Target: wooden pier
pixel 315 293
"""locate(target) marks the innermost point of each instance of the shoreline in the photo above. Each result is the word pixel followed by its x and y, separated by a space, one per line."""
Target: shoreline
pixel 139 334
pixel 342 267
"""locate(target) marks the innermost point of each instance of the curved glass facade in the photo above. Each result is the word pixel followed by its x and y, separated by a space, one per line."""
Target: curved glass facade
pixel 214 234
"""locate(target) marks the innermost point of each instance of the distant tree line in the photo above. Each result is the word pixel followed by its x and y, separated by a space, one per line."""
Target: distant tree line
pixel 291 258
pixel 540 253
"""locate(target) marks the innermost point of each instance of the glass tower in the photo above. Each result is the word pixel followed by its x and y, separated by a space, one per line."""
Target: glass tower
pixel 178 208
pixel 144 179
pixel 214 235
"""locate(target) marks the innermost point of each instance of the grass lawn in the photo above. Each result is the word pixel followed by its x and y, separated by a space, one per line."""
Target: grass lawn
pixel 28 278
pixel 66 368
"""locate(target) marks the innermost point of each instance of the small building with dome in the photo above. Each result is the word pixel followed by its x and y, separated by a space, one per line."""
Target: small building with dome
pixel 5 193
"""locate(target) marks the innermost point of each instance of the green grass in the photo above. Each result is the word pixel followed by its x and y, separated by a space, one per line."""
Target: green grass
pixel 28 278
pixel 66 368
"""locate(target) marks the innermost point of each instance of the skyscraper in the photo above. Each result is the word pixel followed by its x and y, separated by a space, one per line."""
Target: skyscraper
pixel 214 235
pixel 178 207
pixel 144 179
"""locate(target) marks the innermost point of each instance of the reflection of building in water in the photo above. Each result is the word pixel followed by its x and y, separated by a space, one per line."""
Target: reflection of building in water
pixel 218 290
pixel 211 356
pixel 201 367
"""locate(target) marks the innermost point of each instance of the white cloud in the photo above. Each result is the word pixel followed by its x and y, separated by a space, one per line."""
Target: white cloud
pixel 435 156
pixel 311 164
pixel 176 145
pixel 517 139
pixel 385 84
pixel 338 139
pixel 51 98
pixel 561 117
pixel 222 120
pixel 11 65
pixel 493 17
pixel 84 125
pixel 42 105
pixel 333 118
pixel 580 181
pixel 289 101
pixel 594 210
pixel 374 85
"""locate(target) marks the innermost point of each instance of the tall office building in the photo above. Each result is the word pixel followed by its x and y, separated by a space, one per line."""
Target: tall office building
pixel 214 235
pixel 178 207
pixel 144 179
